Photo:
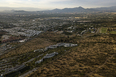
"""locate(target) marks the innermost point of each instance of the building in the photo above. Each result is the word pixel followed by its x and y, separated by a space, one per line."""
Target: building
pixel 21 41
pixel 46 56
pixel 50 55
pixel 50 47
pixel 37 62
pixel 67 45
pixel 55 46
pixel 1 75
pixel 60 44
pixel 39 50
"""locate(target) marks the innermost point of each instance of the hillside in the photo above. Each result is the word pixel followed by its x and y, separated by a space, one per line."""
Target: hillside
pixel 94 57
pixel 80 45
pixel 57 10
pixel 81 10
pixel 29 46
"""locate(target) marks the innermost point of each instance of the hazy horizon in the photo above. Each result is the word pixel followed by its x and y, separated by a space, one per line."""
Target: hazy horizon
pixel 52 4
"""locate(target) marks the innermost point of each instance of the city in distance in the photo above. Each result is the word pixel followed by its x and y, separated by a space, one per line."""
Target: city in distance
pixel 62 42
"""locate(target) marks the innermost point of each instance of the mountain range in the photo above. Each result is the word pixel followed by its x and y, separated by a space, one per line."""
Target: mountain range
pixel 19 8
pixel 65 10
pixel 81 9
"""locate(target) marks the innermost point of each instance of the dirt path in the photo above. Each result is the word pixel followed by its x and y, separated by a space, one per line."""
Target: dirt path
pixel 98 31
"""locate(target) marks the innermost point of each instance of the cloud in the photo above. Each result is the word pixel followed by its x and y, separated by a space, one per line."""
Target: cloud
pixel 95 2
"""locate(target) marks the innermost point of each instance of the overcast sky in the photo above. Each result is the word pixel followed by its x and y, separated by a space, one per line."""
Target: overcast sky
pixel 51 4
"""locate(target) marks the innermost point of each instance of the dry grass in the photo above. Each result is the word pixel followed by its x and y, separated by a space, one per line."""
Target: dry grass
pixel 94 57
pixel 29 46
pixel 44 39
pixel 90 58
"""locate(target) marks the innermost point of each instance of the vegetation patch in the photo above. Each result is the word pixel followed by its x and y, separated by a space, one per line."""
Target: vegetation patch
pixel 90 56
pixel 103 30
pixel 112 32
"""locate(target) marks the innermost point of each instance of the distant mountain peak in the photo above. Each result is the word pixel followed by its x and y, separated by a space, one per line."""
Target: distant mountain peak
pixel 81 7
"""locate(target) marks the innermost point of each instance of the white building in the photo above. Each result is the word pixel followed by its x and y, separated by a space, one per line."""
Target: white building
pixel 21 41
pixel 39 61
pixel 50 55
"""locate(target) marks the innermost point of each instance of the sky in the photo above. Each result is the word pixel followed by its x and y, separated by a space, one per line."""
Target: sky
pixel 52 4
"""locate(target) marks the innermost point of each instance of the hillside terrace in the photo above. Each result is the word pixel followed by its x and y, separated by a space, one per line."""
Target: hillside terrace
pixel 56 46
